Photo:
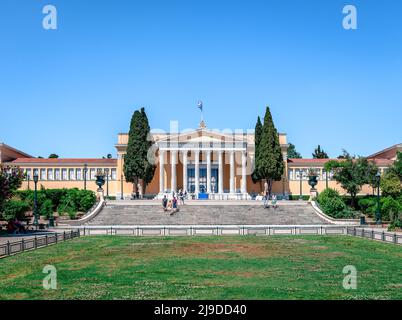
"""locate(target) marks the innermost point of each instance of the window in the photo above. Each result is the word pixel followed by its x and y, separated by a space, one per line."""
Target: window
pixel 71 174
pixel 28 174
pixel 78 174
pixel 63 174
pixel 290 174
pixel 302 172
pixel 43 174
pixel 36 172
pixel 113 174
pixel 57 174
pixel 93 172
pixel 50 174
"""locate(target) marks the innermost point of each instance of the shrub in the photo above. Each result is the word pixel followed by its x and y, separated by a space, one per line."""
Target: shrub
pixel 390 209
pixel 368 206
pixel 55 195
pixel 332 204
pixel 72 213
pixel 87 200
pixel 15 209
pixel 46 210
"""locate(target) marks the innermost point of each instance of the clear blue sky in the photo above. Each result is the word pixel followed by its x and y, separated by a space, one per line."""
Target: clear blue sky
pixel 71 91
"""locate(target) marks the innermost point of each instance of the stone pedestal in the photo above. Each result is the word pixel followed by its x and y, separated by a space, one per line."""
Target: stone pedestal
pixel 99 194
pixel 313 194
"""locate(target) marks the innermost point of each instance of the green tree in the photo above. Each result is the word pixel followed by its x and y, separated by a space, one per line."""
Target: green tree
pixel 292 153
pixel 257 139
pixel 319 153
pixel 397 165
pixel 53 156
pixel 390 184
pixel 352 174
pixel 10 180
pixel 136 163
pixel 270 165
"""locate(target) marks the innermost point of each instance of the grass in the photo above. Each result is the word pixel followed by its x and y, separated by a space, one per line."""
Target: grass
pixel 250 267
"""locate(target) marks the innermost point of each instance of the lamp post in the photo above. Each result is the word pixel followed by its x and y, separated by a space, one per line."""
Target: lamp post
pixel 378 212
pixel 301 184
pixel 121 181
pixel 36 220
pixel 85 176
pixel 107 182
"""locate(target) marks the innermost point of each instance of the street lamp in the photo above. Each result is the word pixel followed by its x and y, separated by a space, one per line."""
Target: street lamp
pixel 121 181
pixel 107 182
pixel 301 184
pixel 36 220
pixel 85 176
pixel 378 212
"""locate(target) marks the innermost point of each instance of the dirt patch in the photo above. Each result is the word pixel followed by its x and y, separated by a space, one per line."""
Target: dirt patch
pixel 220 250
pixel 236 273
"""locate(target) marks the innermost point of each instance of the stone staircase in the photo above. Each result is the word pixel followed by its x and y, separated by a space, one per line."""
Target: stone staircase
pixel 118 214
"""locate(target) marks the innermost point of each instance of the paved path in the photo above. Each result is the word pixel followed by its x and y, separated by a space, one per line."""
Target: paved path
pixel 212 214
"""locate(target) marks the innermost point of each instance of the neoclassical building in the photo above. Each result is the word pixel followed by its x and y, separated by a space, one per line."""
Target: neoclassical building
pixel 207 163
pixel 203 162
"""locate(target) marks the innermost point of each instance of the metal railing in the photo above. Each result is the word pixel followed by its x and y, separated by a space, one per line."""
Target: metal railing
pixel 32 243
pixel 390 237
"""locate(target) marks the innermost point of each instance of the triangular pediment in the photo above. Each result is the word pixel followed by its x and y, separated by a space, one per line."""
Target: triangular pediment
pixel 201 135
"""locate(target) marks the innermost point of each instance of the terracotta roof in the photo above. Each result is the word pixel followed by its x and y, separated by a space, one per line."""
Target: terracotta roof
pixel 312 161
pixel 64 161
pixel 378 162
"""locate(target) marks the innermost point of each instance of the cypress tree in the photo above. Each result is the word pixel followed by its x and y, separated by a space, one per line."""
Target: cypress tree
pixel 319 153
pixel 270 164
pixel 257 139
pixel 150 167
pixel 135 160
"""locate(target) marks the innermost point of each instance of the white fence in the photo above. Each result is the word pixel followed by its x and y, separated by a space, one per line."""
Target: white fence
pixel 235 230
pixel 221 230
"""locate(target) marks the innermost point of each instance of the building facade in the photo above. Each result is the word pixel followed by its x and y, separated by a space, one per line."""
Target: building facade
pixel 206 163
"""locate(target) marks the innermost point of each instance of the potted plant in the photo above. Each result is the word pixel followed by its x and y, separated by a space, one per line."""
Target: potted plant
pixel 100 179
pixel 312 178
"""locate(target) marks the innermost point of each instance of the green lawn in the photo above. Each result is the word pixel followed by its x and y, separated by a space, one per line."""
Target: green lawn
pixel 308 267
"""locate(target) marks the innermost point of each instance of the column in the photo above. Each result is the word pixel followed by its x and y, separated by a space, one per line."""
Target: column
pixel 232 172
pixel 185 161
pixel 220 169
pixel 161 172
pixel 173 159
pixel 208 171
pixel 197 171
pixel 243 172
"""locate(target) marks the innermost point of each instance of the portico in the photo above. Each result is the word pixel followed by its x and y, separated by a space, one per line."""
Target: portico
pixel 203 163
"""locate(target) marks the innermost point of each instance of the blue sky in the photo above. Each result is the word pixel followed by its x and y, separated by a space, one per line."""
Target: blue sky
pixel 72 90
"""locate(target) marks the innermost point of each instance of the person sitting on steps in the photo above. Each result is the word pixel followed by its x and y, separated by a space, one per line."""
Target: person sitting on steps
pixel 274 202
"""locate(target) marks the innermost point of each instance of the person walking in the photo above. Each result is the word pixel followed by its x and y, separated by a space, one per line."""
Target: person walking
pixel 266 195
pixel 164 203
pixel 174 206
pixel 181 196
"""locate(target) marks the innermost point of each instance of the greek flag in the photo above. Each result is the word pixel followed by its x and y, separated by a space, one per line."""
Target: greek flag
pixel 199 105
